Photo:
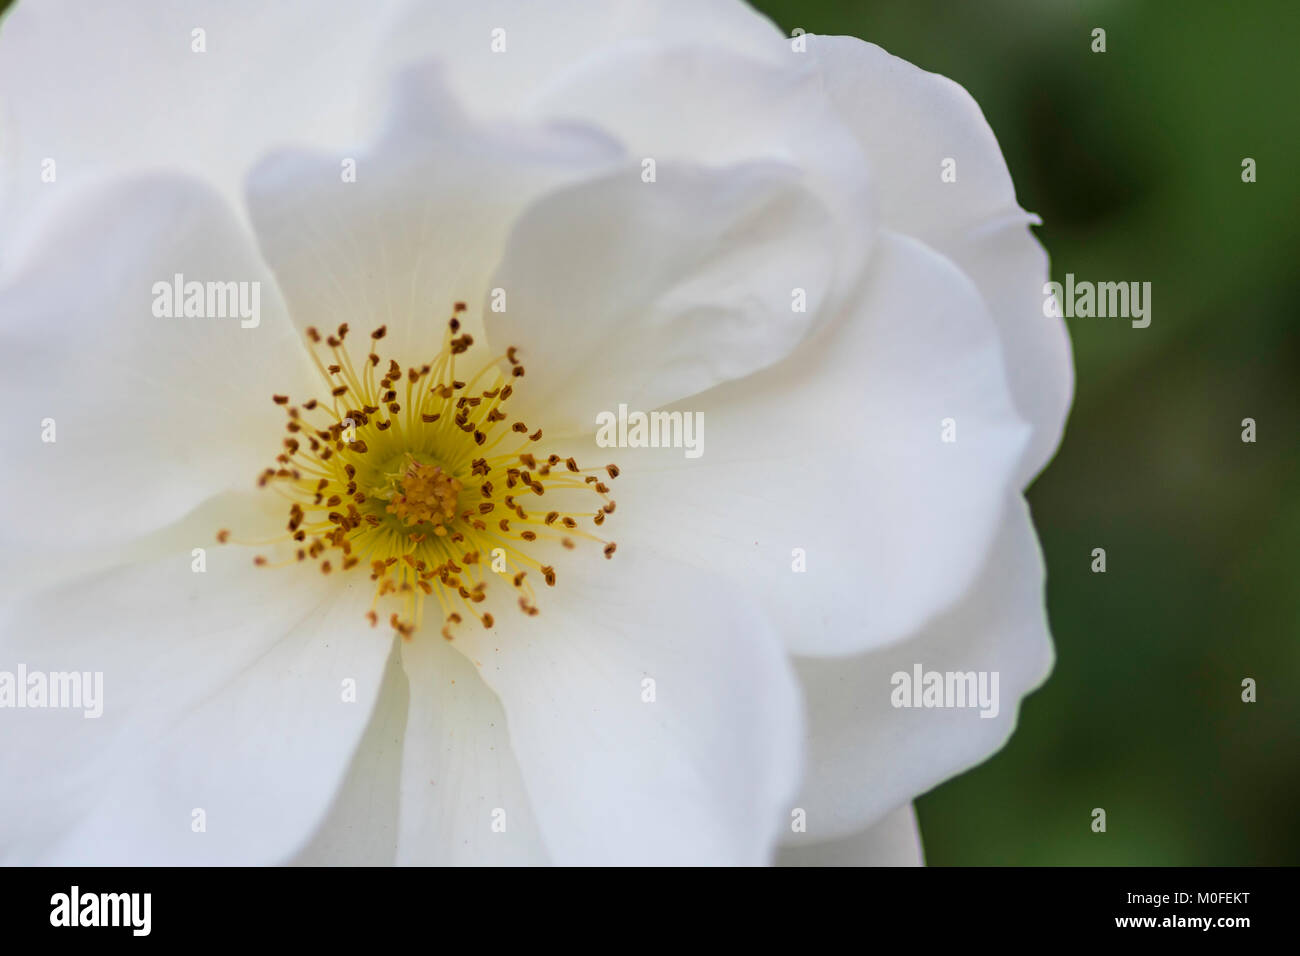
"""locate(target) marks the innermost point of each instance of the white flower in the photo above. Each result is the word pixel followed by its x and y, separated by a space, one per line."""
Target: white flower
pixel 651 187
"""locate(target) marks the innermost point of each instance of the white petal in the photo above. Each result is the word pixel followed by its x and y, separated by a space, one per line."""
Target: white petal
pixel 908 123
pixel 462 797
pixel 432 776
pixel 893 841
pixel 701 774
pixel 645 293
pixel 151 415
pixel 839 451
pixel 497 73
pixel 223 692
pixel 98 88
pixel 868 756
pixel 1010 267
pixel 695 103
pixel 360 828
pixel 423 224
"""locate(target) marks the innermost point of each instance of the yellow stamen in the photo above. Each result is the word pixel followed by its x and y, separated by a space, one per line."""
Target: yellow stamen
pixel 413 486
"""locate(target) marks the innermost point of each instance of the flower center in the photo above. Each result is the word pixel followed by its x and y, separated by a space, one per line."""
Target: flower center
pixel 425 494
pixel 423 479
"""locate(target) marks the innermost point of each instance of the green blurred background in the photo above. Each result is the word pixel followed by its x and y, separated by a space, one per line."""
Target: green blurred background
pixel 1133 159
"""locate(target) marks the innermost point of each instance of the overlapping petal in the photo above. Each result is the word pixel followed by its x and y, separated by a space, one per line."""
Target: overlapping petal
pixel 232 701
pixel 893 841
pixel 100 88
pixel 501 54
pixel 124 419
pixel 840 454
pixel 866 755
pixel 625 291
pixel 654 715
pixel 398 232
pixel 463 800
pixel 908 123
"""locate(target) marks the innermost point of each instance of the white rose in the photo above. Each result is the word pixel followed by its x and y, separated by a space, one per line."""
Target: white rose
pixel 668 206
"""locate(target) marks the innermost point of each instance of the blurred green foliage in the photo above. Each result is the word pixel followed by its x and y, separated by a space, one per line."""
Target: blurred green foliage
pixel 1133 159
